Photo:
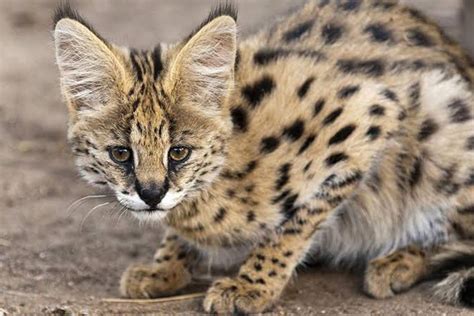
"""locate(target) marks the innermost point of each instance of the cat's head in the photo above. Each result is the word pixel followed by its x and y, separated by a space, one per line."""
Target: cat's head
pixel 149 125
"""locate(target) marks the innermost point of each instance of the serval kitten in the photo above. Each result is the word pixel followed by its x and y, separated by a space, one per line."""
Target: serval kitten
pixel 344 131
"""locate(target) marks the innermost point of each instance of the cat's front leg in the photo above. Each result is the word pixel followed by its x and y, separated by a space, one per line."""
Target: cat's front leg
pixel 267 270
pixel 170 272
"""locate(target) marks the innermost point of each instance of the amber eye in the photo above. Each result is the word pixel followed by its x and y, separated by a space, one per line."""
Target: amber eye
pixel 179 153
pixel 120 154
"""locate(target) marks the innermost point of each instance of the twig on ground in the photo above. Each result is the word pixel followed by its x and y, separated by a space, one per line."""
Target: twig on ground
pixel 155 301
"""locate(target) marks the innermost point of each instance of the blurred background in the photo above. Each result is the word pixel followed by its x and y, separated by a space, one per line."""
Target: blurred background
pixel 53 262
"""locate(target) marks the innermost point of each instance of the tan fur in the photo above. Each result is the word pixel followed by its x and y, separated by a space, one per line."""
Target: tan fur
pixel 345 130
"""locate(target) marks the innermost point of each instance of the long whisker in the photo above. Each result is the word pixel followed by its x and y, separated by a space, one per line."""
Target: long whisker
pixel 122 211
pixel 78 202
pixel 90 212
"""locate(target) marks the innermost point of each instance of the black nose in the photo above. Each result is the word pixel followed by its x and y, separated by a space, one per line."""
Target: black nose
pixel 151 193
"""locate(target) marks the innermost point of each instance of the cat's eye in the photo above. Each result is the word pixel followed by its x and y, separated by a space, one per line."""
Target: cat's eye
pixel 120 154
pixel 179 153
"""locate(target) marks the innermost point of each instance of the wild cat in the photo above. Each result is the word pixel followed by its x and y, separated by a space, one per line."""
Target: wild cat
pixel 344 131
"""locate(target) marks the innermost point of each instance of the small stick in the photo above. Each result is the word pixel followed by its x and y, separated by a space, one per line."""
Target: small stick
pixel 4 243
pixel 157 300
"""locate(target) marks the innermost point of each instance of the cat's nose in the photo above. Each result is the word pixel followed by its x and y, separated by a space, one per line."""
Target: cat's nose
pixel 151 192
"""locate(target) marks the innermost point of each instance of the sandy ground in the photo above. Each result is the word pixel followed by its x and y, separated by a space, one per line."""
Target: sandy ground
pixel 52 262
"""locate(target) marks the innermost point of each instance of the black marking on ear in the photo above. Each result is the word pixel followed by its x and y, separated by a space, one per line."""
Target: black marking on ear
pixel 370 67
pixel 224 8
pixel 331 33
pixel 304 88
pixel 428 128
pixel 157 62
pixel 65 11
pixel 419 38
pixel 298 31
pixel 254 93
pixel 378 32
pixel 342 135
pixel 239 118
pixel 460 111
pixel 269 144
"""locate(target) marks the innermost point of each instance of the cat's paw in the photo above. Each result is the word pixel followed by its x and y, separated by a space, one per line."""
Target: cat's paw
pixel 393 274
pixel 151 281
pixel 232 295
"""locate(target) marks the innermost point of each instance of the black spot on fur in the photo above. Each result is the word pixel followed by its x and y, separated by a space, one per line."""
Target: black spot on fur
pixel 456 262
pixel 257 266
pixel 336 158
pixel 446 184
pixel 281 196
pixel 350 5
pixel 466 209
pixel 246 278
pixel 308 141
pixel 303 90
pixel 266 56
pixel 418 38
pixel 342 135
pixel 389 94
pixel 288 207
pixel 295 130
pixel 371 67
pixel 470 143
pixel 334 182
pixel 374 132
pixel 283 176
pixel 460 111
pixel 250 216
pixel 269 144
pixel 416 172
pixel 318 107
pixel 414 94
pixel 255 93
pixel 134 56
pixel 298 31
pixel 332 117
pixel 428 128
pixel 377 110
pixel 219 217
pixel 331 33
pixel 466 296
pixel 348 92
pixel 239 118
pixel 378 32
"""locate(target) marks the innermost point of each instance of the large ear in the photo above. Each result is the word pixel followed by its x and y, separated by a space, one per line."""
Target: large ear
pixel 203 70
pixel 91 72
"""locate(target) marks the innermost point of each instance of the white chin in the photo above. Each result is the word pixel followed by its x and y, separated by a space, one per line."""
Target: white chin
pixel 146 216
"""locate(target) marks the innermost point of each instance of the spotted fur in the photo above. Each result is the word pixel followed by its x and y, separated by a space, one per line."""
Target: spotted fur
pixel 344 131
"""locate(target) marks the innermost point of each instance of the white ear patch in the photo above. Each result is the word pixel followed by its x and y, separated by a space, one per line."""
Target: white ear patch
pixel 88 68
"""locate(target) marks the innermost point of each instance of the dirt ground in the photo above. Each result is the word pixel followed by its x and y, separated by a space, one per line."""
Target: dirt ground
pixel 55 263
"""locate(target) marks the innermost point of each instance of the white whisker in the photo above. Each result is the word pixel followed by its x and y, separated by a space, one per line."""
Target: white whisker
pixel 78 202
pixel 90 212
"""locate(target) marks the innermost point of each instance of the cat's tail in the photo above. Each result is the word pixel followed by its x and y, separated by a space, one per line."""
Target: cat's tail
pixel 454 265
